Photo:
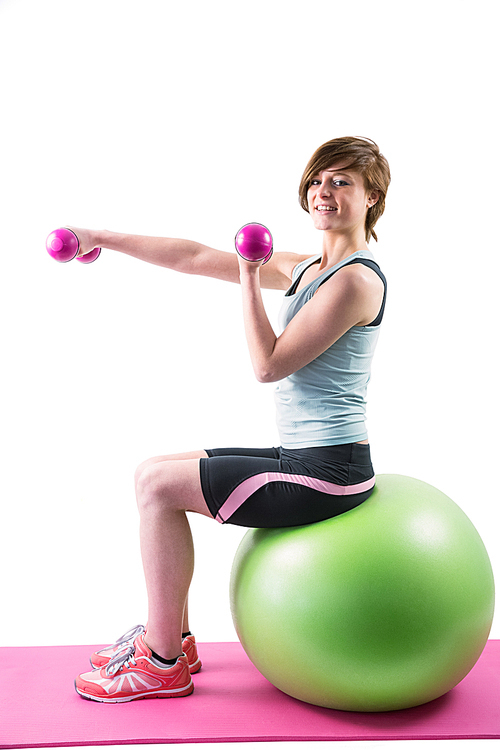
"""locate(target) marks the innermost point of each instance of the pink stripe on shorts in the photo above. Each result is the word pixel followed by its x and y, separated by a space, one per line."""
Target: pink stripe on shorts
pixel 251 485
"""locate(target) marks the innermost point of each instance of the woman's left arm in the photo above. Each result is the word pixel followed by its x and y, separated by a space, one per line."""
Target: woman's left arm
pixel 352 297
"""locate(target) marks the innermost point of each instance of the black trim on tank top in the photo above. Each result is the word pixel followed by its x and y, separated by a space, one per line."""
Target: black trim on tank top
pixel 291 291
pixel 364 262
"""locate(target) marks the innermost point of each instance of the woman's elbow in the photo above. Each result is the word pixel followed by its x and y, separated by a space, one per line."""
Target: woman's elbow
pixel 266 375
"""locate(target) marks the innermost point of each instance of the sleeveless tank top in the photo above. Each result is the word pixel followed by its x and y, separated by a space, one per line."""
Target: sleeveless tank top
pixel 324 403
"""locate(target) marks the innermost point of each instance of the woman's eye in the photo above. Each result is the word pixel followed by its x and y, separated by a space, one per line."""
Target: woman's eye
pixel 335 183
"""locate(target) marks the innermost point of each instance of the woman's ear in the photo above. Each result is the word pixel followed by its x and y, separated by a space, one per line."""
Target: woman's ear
pixel 372 198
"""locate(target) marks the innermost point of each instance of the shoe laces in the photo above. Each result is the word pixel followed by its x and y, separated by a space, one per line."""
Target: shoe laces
pixel 127 637
pixel 125 658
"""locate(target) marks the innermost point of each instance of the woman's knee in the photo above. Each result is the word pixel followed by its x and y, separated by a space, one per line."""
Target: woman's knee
pixel 151 486
pixel 171 486
pixel 140 469
pixel 144 469
pixel 161 459
pixel 163 485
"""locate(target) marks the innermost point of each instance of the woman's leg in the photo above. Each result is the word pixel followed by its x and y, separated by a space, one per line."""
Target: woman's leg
pixel 166 488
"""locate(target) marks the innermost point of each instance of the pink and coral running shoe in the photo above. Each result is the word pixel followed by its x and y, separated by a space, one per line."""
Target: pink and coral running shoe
pixel 133 674
pixel 190 649
pixel 102 657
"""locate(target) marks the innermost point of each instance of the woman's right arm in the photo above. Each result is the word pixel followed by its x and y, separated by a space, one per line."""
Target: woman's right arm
pixel 187 256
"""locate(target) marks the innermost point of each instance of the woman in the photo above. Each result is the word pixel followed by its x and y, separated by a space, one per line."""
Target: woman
pixel 321 360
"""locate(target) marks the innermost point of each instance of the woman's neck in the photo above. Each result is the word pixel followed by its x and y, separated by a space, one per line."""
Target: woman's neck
pixel 338 247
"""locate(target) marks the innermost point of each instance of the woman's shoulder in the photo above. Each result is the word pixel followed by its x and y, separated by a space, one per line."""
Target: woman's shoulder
pixel 280 271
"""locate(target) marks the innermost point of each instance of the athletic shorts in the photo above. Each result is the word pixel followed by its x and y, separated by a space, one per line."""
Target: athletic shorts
pixel 277 487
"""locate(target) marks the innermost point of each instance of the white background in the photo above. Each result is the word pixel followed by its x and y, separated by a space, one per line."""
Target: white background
pixel 189 120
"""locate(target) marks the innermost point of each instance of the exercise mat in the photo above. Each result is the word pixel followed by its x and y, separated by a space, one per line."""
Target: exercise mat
pixel 231 702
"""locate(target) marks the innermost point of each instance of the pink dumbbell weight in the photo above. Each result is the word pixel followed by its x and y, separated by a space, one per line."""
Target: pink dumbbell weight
pixel 63 245
pixel 254 242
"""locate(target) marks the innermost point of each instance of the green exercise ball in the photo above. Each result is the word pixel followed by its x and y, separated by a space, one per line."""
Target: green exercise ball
pixel 384 607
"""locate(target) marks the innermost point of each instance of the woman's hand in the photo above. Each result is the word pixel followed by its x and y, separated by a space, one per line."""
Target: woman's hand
pixel 87 240
pixel 249 267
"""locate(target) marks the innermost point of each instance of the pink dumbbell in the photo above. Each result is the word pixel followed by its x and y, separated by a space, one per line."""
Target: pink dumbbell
pixel 63 245
pixel 254 243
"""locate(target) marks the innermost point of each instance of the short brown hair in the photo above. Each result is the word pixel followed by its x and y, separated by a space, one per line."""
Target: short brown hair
pixel 361 155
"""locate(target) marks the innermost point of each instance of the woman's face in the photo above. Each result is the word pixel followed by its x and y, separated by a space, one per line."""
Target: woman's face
pixel 338 200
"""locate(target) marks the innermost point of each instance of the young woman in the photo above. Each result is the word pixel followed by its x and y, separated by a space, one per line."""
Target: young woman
pixel 329 325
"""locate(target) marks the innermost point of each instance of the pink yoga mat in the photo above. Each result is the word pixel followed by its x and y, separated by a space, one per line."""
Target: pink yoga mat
pixel 232 702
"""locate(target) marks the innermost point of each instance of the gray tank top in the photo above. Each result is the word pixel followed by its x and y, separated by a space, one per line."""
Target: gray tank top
pixel 324 403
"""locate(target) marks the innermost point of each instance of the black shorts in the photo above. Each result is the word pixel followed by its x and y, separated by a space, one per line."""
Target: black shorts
pixel 277 487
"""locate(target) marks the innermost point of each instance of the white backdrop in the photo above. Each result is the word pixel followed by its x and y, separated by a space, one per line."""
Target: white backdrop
pixel 189 120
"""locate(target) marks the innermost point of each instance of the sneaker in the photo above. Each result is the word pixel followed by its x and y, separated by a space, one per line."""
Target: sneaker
pixel 133 674
pixel 189 648
pixel 104 656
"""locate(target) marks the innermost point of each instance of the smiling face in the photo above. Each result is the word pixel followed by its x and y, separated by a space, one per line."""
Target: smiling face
pixel 338 200
pixel 358 162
